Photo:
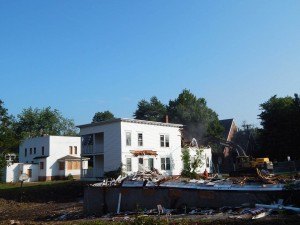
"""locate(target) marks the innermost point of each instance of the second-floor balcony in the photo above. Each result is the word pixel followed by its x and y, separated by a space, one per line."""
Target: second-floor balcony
pixel 92 149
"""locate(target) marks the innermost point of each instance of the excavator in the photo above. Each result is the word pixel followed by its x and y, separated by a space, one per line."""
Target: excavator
pixel 246 165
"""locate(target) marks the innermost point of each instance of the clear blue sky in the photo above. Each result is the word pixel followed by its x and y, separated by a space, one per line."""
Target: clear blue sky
pixel 83 57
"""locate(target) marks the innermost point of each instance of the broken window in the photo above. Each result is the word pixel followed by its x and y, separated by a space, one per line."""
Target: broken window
pixel 165 164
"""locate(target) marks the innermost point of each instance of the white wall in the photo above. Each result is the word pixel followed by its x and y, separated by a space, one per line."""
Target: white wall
pixel 55 147
pixel 151 141
pixel 34 169
pixel 58 148
pixel 11 173
pixel 32 143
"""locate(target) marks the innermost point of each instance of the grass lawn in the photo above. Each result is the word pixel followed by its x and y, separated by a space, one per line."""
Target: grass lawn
pixel 58 191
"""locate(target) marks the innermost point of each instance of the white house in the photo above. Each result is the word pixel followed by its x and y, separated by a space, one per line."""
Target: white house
pixel 48 158
pixel 133 145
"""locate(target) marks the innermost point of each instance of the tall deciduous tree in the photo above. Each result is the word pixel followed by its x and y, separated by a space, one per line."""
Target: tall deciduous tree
pixel 103 116
pixel 152 111
pixel 280 133
pixel 8 139
pixel 37 122
pixel 200 121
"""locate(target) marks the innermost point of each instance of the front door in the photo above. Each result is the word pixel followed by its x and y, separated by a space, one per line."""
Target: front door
pixel 141 164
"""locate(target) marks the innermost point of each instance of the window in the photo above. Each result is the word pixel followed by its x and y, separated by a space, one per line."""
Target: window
pixel 207 161
pixel 140 139
pixel 25 152
pixel 70 150
pixel 128 139
pixel 30 151
pixel 41 165
pixel 164 141
pixel 165 164
pixel 43 150
pixel 34 150
pixel 61 165
pixel 75 150
pixel 29 172
pixel 128 164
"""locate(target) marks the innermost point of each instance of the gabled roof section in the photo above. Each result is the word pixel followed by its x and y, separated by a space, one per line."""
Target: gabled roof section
pixel 119 120
pixel 227 124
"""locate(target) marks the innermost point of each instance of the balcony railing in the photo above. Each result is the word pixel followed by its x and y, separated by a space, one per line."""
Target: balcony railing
pixel 90 173
pixel 92 149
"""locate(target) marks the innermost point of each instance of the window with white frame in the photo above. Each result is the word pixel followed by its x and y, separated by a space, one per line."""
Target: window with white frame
pixel 128 164
pixel 207 161
pixel 165 164
pixel 140 139
pixel 164 140
pixel 128 138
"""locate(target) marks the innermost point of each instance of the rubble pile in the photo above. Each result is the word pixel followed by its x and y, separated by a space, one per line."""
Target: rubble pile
pixel 153 177
pixel 242 212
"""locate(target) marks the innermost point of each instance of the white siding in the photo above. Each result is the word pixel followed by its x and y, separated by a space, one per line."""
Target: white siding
pixel 55 147
pixel 151 141
pixel 115 150
pixel 59 147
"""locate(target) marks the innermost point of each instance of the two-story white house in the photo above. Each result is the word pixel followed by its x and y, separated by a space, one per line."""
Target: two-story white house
pixel 51 158
pixel 134 145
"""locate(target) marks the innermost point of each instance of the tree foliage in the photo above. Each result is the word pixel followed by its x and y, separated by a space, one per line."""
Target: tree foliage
pixel 37 122
pixel 190 166
pixel 280 133
pixel 200 121
pixel 186 159
pixel 103 116
pixel 152 111
pixel 8 139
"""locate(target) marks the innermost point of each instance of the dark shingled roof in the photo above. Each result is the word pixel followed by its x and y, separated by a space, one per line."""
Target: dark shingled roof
pixel 227 125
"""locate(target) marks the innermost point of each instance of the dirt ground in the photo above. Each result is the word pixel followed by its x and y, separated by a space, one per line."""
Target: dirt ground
pixel 12 212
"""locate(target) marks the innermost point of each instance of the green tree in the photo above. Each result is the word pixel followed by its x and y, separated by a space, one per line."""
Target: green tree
pixel 280 133
pixel 103 116
pixel 190 166
pixel 200 121
pixel 37 122
pixel 3 164
pixel 8 138
pixel 152 111
pixel 186 160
